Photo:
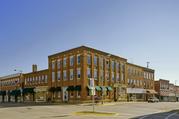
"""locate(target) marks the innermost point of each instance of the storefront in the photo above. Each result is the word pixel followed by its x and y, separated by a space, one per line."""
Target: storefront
pixel 29 94
pixel 120 92
pixel 41 93
pixel 136 94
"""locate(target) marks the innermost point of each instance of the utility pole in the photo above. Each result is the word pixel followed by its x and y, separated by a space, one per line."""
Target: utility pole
pixel 148 64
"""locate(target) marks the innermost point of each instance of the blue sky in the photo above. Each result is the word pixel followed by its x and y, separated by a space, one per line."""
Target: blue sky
pixel 138 30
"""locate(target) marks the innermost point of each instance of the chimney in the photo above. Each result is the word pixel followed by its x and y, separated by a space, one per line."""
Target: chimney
pixel 34 68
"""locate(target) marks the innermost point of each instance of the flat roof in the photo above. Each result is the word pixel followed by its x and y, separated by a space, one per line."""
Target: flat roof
pixel 88 48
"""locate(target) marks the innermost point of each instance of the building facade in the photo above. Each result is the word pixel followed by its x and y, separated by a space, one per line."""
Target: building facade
pixel 67 79
pixel 140 81
pixel 162 87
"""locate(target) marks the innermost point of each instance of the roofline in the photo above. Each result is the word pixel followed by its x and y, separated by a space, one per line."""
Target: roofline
pixel 88 48
pixel 145 68
pixel 10 76
pixel 36 71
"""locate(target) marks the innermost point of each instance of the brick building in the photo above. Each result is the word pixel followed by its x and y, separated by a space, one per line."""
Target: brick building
pixel 162 87
pixel 68 74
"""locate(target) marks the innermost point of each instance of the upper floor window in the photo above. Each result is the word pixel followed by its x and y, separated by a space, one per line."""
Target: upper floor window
pixel 113 65
pixel 107 76
pixel 71 60
pixel 95 74
pixel 101 62
pixel 71 74
pixel 58 63
pixel 95 60
pixel 64 75
pixel 78 59
pixel 64 62
pixel 89 72
pixel 78 73
pixel 107 64
pixel 89 59
pixel 58 75
pixel 46 78
pixel 53 76
pixel 53 65
pixel 113 76
pixel 117 76
pixel 101 75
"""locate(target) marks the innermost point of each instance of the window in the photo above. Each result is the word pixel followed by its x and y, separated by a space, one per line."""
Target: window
pixel 78 73
pixel 89 59
pixel 113 65
pixel 53 76
pixel 58 63
pixel 107 64
pixel 78 59
pixel 95 60
pixel 71 60
pixel 113 76
pixel 95 74
pixel 71 74
pixel 101 62
pixel 46 78
pixel 89 73
pixel 43 78
pixel 107 76
pixel 53 65
pixel 101 75
pixel 58 75
pixel 64 62
pixel 122 77
pixel 64 75
pixel 117 76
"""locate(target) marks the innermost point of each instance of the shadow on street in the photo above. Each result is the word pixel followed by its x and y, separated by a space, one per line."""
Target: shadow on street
pixel 174 114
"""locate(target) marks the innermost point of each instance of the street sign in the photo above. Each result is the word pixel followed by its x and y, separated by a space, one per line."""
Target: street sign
pixel 91 83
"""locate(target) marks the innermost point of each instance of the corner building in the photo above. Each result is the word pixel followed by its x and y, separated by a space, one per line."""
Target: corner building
pixel 70 71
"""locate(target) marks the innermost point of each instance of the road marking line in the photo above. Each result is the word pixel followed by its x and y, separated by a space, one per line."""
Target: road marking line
pixel 170 115
pixel 142 117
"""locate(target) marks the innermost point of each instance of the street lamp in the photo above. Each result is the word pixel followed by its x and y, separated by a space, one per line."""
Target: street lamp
pixel 21 84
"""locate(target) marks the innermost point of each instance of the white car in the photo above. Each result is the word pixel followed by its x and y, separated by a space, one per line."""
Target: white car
pixel 153 99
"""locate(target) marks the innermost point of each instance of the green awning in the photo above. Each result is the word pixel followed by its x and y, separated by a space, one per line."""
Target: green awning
pixel 71 88
pixel 28 90
pixel 104 88
pixel 78 88
pixel 109 88
pixel 98 88
pixel 2 92
pixel 15 92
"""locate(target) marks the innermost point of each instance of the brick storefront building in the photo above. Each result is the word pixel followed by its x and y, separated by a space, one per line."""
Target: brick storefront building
pixel 68 74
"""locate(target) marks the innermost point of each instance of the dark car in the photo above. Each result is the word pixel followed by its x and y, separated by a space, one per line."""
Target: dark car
pixel 153 99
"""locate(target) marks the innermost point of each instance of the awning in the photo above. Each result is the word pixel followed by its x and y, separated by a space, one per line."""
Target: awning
pixel 15 92
pixel 109 88
pixel 2 92
pixel 28 90
pixel 103 88
pixel 98 88
pixel 151 91
pixel 71 88
pixel 78 88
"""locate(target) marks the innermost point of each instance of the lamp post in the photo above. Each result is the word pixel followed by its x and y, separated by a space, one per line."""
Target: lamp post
pixel 21 84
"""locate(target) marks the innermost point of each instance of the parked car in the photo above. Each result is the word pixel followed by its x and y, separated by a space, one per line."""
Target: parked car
pixel 153 99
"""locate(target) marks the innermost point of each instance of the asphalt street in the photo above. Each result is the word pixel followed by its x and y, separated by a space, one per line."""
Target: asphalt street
pixel 124 110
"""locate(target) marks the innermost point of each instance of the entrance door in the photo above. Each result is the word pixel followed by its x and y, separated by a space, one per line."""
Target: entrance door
pixel 65 94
